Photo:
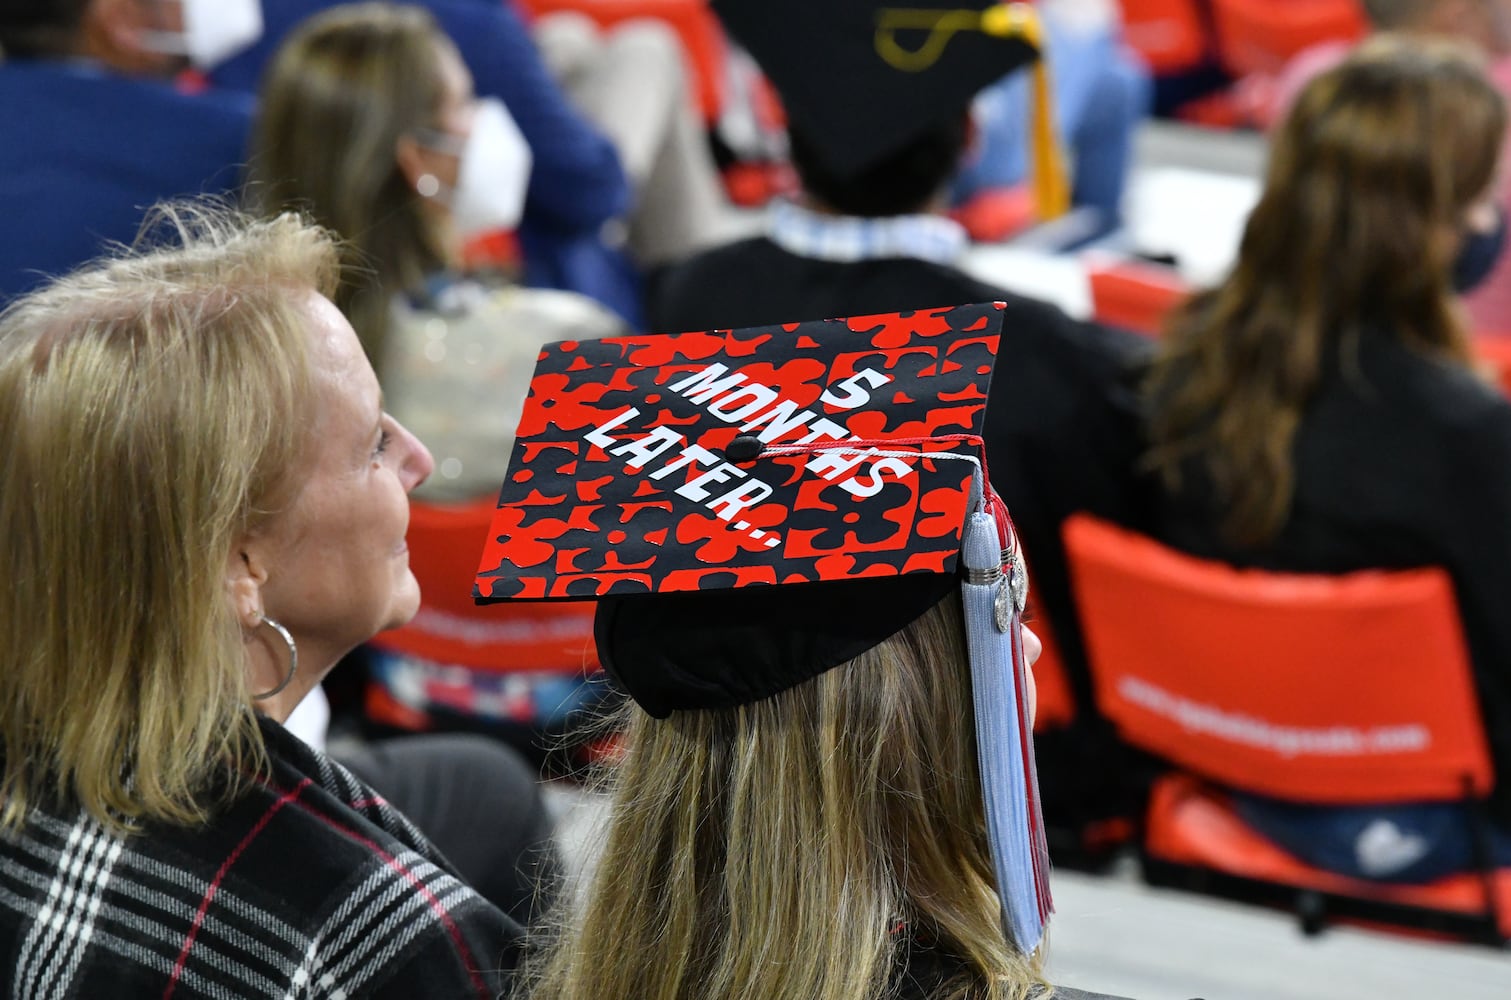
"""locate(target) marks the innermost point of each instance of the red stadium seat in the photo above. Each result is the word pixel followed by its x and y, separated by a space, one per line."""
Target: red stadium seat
pixel 1494 352
pixel 1170 34
pixel 1135 296
pixel 696 25
pixel 1326 689
pixel 1261 36
pixel 453 649
pixel 996 214
pixel 1192 824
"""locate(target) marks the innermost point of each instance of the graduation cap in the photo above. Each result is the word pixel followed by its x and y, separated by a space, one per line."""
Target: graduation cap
pixel 754 507
pixel 861 78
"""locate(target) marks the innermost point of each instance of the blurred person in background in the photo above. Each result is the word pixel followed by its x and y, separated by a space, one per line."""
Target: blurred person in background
pixel 622 177
pixel 95 130
pixel 631 80
pixel 369 121
pixel 1484 25
pixel 1319 411
pixel 204 508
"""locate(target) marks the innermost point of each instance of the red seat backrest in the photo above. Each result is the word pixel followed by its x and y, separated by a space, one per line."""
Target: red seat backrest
pixel 1135 296
pixel 445 544
pixel 1494 352
pixel 1169 34
pixel 1351 688
pixel 1261 36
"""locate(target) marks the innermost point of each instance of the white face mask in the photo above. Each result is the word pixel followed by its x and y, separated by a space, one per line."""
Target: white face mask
pixel 494 173
pixel 214 31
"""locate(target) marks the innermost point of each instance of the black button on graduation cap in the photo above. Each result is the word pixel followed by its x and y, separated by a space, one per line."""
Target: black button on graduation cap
pixel 744 448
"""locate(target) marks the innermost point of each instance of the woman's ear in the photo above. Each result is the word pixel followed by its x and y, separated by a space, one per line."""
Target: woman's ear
pixel 245 576
pixel 412 159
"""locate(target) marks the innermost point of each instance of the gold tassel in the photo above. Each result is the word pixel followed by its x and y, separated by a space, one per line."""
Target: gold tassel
pixel 1003 20
pixel 1051 183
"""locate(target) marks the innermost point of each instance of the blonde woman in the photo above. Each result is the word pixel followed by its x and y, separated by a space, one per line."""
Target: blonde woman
pixel 203 508
pixel 824 842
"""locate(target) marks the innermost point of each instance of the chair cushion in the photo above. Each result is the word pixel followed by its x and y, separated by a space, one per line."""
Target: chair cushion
pixel 1191 823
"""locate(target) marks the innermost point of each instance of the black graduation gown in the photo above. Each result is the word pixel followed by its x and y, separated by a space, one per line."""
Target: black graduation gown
pixel 928 974
pixel 1401 460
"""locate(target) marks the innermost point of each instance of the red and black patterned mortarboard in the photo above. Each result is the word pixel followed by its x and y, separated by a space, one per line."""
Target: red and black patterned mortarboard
pixel 754 507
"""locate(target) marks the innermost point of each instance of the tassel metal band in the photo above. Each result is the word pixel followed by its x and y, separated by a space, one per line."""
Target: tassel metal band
pixel 982 577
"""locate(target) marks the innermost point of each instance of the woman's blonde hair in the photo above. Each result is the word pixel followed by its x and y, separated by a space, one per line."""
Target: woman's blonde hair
pixel 1370 177
pixel 775 849
pixel 342 91
pixel 153 408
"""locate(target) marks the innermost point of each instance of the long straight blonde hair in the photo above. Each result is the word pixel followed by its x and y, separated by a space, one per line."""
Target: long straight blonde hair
pixel 774 850
pixel 152 408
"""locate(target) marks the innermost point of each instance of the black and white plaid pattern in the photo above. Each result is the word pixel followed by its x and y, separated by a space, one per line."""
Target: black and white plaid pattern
pixel 311 887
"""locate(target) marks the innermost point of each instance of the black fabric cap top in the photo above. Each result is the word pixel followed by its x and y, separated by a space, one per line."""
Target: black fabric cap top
pixel 750 507
pixel 860 79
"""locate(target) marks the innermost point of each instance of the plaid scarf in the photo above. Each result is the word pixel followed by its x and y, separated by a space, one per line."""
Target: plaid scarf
pixel 308 886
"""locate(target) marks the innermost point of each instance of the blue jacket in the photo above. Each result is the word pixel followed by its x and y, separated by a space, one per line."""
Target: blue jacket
pixel 85 151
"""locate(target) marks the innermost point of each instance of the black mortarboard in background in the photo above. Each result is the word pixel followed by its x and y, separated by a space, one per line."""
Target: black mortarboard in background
pixel 753 507
pixel 861 78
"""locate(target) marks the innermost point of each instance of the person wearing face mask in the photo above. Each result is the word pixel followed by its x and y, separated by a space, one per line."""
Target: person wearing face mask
pixel 1485 25
pixel 369 122
pixel 1482 245
pixel 94 128
pixel 578 189
pixel 1320 410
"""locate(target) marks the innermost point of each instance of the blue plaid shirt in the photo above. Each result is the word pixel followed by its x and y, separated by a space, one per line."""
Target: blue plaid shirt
pixel 845 238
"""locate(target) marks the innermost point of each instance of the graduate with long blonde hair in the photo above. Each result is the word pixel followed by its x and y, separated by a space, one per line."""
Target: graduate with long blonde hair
pixel 811 596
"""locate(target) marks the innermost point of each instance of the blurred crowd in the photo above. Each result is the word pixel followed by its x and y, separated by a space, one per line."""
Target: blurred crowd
pixel 455 185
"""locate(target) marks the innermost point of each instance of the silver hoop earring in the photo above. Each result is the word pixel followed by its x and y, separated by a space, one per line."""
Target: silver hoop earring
pixel 428 185
pixel 293 658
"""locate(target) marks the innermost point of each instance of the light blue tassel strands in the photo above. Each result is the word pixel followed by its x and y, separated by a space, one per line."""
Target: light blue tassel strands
pixel 1003 741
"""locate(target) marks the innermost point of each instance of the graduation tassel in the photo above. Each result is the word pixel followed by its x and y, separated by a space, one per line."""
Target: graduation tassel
pixel 1003 20
pixel 1004 741
pixel 1050 178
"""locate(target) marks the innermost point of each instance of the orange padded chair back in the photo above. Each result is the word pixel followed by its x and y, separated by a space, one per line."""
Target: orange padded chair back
pixel 445 544
pixel 1493 351
pixel 1344 689
pixel 1169 34
pixel 1261 36
pixel 1134 296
